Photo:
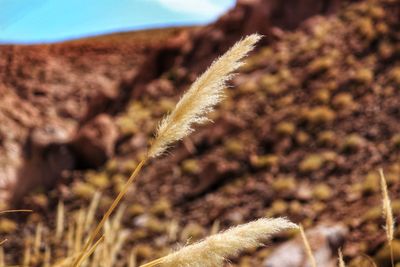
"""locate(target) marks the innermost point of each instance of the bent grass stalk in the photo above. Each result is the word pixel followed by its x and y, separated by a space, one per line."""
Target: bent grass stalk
pixel 192 108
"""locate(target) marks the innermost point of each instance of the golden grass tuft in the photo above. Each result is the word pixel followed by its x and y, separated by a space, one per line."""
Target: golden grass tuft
pixel 215 249
pixel 60 246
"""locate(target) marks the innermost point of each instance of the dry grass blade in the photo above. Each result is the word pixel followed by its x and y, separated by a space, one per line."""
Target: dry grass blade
pixel 91 212
pixel 47 257
pixel 215 249
pixel 91 250
pixel 132 259
pixel 2 260
pixel 369 259
pixel 388 214
pixel 38 239
pixel 27 253
pixel 60 220
pixel 202 96
pixel 13 211
pixel 340 259
pixel 307 247
pixel 200 99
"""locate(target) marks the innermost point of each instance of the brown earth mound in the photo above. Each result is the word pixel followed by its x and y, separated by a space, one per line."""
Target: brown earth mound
pixel 55 89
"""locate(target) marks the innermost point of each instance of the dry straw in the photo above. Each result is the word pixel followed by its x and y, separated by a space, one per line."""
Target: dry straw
pixel 307 247
pixel 215 249
pixel 388 214
pixel 193 107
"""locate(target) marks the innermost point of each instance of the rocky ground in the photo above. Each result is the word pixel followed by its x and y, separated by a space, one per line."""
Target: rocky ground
pixel 302 133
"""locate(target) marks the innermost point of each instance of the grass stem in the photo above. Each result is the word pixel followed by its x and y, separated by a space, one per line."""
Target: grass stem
pixel 153 263
pixel 91 250
pixel 307 246
pixel 391 253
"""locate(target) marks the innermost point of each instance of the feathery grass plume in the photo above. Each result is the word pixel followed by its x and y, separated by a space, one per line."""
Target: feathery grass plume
pixel 193 107
pixel 388 214
pixel 203 95
pixel 307 246
pixel 215 249
pixel 340 258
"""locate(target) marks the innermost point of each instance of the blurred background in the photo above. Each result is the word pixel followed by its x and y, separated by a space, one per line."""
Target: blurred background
pixel 307 123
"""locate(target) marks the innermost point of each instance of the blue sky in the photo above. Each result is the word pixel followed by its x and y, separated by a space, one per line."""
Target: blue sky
pixel 37 21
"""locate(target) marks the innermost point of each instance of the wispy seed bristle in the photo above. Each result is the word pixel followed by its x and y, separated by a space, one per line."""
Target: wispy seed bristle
pixel 202 96
pixel 215 249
